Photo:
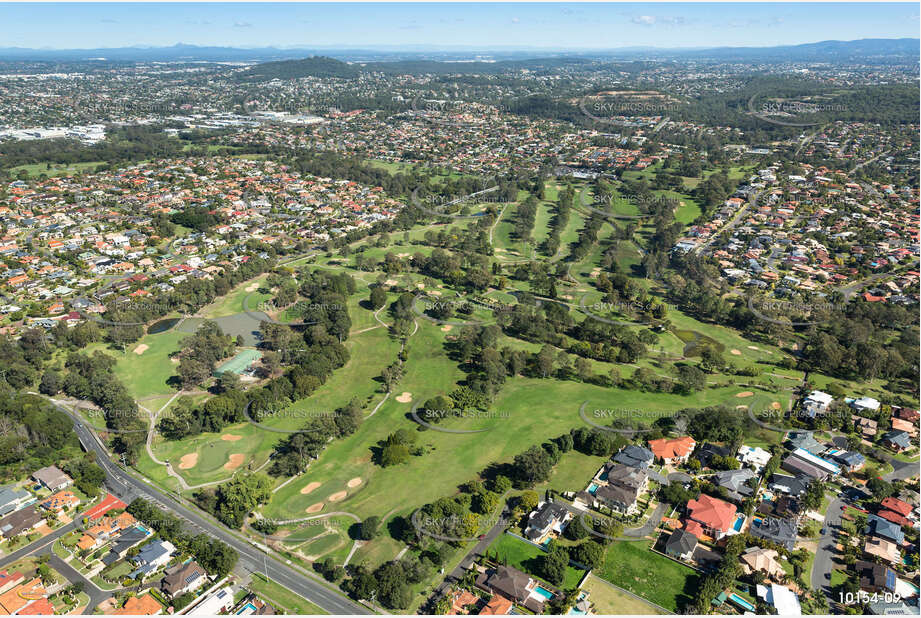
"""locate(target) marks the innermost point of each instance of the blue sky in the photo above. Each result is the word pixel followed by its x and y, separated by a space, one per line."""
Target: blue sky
pixel 519 25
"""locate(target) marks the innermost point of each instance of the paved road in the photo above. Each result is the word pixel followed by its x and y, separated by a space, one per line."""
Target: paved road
pixel 824 554
pixel 96 594
pixel 252 559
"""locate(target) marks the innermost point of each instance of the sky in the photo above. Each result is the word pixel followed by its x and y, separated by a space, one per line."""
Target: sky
pixel 481 26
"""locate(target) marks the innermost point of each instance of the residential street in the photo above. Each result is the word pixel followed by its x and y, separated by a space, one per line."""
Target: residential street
pixel 825 552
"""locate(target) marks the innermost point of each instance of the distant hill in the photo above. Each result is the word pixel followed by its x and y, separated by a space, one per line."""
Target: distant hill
pixel 316 66
pixel 289 62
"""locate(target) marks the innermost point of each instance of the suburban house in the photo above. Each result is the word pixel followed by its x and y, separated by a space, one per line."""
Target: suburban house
pixel 548 518
pixel 61 501
pixel 816 403
pixel 152 556
pixel 878 526
pixel 9 580
pixel 13 500
pixel 851 461
pixel 804 440
pixel 780 598
pixel 21 521
pixel 125 541
pixel 761 559
pixel 823 464
pixel 790 485
pixel 514 585
pixel 144 605
pixel 617 486
pixel 884 549
pixel 865 403
pixel 52 478
pixel 634 456
pixel 736 482
pixel 217 602
pixel 866 426
pixel 672 450
pixel 896 440
pixel 681 545
pixel 755 457
pixel 875 577
pixel 710 516
pixel 776 530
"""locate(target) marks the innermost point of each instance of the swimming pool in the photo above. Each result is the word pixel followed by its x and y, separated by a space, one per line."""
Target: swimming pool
pixel 740 520
pixel 247 609
pixel 741 602
pixel 543 592
pixel 576 612
pixel 592 488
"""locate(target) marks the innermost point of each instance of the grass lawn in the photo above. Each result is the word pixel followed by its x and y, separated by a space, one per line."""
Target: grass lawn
pixel 281 597
pixel 232 302
pixel 633 567
pixel 610 600
pixel 572 473
pixel 147 373
pixel 53 169
pixel 524 556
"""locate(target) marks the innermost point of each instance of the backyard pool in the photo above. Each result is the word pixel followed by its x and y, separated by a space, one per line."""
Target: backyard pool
pixel 247 609
pixel 740 520
pixel 543 592
pixel 592 488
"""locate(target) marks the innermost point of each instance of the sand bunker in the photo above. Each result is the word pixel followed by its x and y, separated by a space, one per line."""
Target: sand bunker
pixel 338 496
pixel 355 482
pixel 174 360
pixel 309 487
pixel 236 460
pixel 252 287
pixel 736 352
pixel 315 508
pixel 435 293
pixel 141 349
pixel 745 394
pixel 741 407
pixel 446 328
pixel 188 461
pixel 390 282
pixel 402 255
pixel 776 405
pixel 753 347
pixel 229 437
pixel 406 397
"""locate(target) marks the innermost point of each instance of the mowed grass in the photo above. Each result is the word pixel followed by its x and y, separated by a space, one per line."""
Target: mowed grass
pixel 53 169
pixel 632 566
pixel 281 597
pixel 232 302
pixel 514 552
pixel 609 600
pixel 147 373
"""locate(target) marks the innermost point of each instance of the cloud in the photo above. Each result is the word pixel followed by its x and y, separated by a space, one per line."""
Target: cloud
pixel 655 20
pixel 242 24
pixel 108 20
pixel 515 20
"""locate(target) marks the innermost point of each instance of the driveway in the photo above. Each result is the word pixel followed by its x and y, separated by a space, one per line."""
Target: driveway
pixel 825 552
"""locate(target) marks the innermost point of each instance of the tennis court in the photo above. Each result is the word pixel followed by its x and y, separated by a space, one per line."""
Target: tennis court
pixel 239 363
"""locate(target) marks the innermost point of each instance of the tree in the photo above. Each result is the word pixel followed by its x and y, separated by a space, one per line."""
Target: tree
pixel 394 454
pixel 588 553
pixel 378 297
pixel 527 501
pixel 368 529
pixel 552 565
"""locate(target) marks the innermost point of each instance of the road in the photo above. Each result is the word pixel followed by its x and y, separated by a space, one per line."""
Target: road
pixel 252 559
pixel 825 552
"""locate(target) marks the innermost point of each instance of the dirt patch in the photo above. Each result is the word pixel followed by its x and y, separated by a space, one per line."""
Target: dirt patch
pixel 775 405
pixel 355 482
pixel 315 508
pixel 236 460
pixel 188 461
pixel 736 352
pixel 745 394
pixel 229 437
pixel 446 328
pixel 141 349
pixel 406 397
pixel 339 496
pixel 252 287
pixel 309 487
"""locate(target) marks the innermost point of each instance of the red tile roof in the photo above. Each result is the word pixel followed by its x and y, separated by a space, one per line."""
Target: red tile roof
pixel 664 448
pixel 899 506
pixel 712 512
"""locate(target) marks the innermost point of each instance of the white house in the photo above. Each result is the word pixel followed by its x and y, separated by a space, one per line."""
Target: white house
pixel 755 456
pixel 865 403
pixel 817 402
pixel 215 603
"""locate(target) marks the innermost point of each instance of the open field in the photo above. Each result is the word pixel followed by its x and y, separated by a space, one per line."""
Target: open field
pixel 632 566
pixel 610 600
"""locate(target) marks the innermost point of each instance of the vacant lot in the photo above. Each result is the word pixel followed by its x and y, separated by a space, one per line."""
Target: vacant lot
pixel 609 600
pixel 632 566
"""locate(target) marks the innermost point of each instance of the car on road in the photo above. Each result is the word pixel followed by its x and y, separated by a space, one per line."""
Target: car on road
pixel 823 531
